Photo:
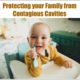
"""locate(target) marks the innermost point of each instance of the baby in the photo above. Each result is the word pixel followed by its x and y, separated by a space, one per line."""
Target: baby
pixel 40 37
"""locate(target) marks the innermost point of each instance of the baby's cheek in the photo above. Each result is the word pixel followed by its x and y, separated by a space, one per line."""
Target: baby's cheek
pixel 45 46
pixel 32 43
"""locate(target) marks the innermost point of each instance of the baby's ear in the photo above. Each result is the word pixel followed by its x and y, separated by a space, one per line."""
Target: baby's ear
pixel 50 40
pixel 28 39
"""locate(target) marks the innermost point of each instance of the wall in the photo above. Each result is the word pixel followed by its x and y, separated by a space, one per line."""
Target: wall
pixel 22 26
pixel 62 24
pixel 18 27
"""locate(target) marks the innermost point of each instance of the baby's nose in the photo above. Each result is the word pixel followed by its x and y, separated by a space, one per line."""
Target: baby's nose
pixel 39 40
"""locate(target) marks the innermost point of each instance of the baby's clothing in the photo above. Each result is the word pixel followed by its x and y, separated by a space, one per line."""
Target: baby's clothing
pixel 51 54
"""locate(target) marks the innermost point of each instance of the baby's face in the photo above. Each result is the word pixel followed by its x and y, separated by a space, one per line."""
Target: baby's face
pixel 40 36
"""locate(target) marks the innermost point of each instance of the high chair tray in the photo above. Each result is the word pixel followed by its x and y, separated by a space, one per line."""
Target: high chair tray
pixel 50 71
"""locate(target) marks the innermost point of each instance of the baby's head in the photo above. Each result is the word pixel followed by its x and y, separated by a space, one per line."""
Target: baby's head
pixel 39 36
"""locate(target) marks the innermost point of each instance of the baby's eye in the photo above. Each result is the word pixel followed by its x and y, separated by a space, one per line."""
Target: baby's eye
pixel 34 37
pixel 44 37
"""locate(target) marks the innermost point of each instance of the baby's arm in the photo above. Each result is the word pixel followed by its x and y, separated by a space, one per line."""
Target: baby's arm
pixel 33 71
pixel 61 59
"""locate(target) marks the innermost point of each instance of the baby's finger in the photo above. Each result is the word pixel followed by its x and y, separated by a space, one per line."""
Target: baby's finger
pixel 66 65
pixel 70 64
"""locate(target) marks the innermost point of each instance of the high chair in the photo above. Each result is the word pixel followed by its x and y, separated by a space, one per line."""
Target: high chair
pixel 16 66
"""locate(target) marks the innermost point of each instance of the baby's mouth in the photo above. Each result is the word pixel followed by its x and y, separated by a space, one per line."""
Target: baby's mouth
pixel 39 46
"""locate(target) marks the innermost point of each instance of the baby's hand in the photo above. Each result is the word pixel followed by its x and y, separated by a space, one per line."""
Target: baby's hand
pixel 67 64
pixel 32 54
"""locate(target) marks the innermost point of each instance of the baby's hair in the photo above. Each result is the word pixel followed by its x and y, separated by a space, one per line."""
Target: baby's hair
pixel 37 24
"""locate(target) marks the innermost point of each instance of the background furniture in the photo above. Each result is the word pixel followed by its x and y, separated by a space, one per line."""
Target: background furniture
pixel 69 43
